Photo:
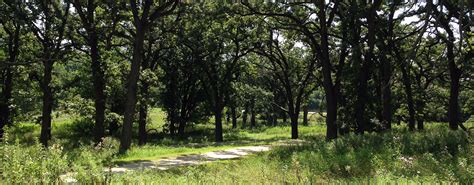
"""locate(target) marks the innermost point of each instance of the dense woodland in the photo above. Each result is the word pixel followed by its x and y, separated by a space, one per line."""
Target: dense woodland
pixel 363 66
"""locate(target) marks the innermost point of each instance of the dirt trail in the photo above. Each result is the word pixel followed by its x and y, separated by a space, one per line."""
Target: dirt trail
pixel 187 160
pixel 191 159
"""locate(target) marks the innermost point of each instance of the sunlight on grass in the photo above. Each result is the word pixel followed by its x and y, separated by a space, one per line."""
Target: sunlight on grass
pixel 233 139
pixel 435 156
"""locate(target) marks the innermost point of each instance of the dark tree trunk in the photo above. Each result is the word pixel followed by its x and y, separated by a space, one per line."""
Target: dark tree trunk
pixel 173 122
pixel 331 114
pixel 227 117
pixel 454 74
pixel 305 115
pixel 386 95
pixel 181 128
pixel 6 98
pixel 129 113
pixel 182 120
pixel 285 117
pixel 171 97
pixel 329 90
pixel 142 134
pixel 218 122
pixel 378 106
pixel 244 116
pixel 294 125
pixel 99 86
pixel 409 95
pixel 47 102
pixel 453 112
pixel 386 68
pixel 7 85
pixel 143 113
pixel 252 117
pixel 362 97
pixel 364 73
pixel 357 60
pixel 234 117
pixel 89 23
pixel 420 124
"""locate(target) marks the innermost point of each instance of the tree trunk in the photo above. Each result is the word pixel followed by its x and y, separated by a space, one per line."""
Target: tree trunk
pixel 294 125
pixel 173 122
pixel 13 49
pixel 129 113
pixel 252 117
pixel 360 114
pixel 386 95
pixel 182 120
pixel 409 94
pixel 420 105
pixel 227 117
pixel 455 74
pixel 329 90
pixel 331 114
pixel 285 117
pixel 6 98
pixel 453 112
pixel 244 116
pixel 181 128
pixel 99 86
pixel 305 115
pixel 218 122
pixel 47 102
pixel 420 124
pixel 142 134
pixel 234 117
pixel 386 73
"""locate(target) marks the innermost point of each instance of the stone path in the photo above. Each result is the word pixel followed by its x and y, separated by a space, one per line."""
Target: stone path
pixel 191 159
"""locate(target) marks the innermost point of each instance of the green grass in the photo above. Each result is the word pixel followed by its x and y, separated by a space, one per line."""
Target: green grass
pixel 154 152
pixel 433 156
pixel 204 143
pixel 200 138
pixel 69 131
pixel 436 155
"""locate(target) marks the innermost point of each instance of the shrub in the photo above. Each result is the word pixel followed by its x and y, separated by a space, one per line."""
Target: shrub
pixel 31 164
pixel 89 162
pixel 34 164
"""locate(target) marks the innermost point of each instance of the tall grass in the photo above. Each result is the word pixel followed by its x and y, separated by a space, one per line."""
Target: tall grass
pixel 433 156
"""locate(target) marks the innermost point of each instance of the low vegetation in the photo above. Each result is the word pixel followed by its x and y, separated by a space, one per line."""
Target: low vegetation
pixel 434 155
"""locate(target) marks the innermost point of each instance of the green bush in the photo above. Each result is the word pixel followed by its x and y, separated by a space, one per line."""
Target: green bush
pixel 31 164
pixel 34 164
pixel 89 162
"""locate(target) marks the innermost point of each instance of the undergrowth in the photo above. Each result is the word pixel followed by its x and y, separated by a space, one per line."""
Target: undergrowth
pixel 434 155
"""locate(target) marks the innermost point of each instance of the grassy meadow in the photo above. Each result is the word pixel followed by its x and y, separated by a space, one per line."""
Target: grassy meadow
pixel 434 155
